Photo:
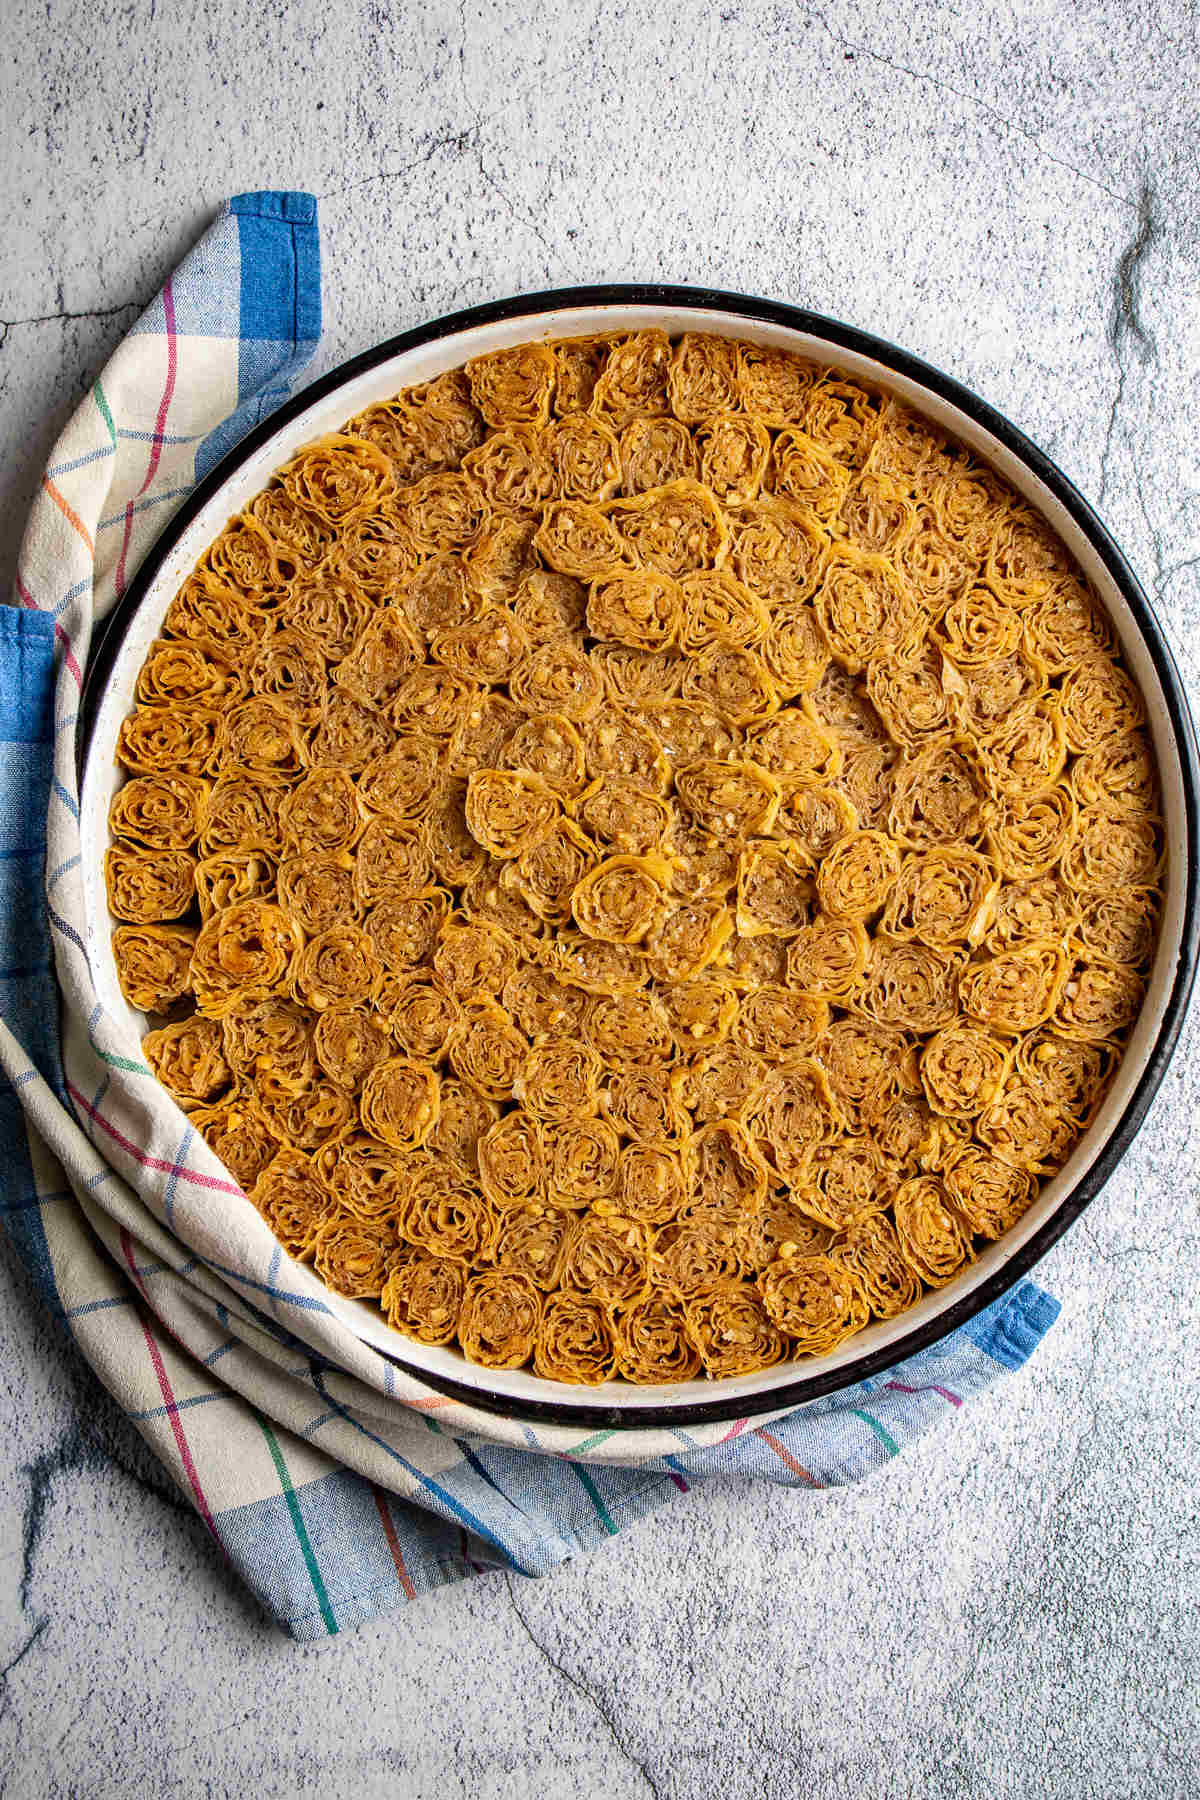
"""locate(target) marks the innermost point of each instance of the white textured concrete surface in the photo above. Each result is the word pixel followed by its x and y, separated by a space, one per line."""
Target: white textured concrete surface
pixel 1011 191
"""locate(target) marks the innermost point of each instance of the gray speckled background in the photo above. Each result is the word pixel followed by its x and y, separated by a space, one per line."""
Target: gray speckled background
pixel 1010 191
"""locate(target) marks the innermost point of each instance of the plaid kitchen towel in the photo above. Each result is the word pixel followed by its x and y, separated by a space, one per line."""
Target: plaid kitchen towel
pixel 336 1484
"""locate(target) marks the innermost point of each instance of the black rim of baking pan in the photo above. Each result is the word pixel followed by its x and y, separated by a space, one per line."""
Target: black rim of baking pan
pixel 844 337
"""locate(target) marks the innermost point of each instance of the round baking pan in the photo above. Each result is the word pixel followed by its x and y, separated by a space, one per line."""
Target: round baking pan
pixel 419 355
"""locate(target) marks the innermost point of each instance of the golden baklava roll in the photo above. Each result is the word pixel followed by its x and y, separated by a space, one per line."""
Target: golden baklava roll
pixel 811 820
pixel 808 473
pixel 734 683
pixel 1025 560
pixel 188 1057
pixel 294 1201
pixel 826 959
pixel 692 1256
pixel 245 558
pixel 551 869
pixel 816 1300
pixel 577 538
pixel 421 1017
pixel 348 735
pixel 1067 627
pixel 487 650
pixel 937 798
pixel 653 1343
pixel 195 673
pixel 584 458
pixel 404 932
pixel 507 812
pixel 908 690
pixel 513 470
pixel 687 939
pixel 464 1118
pixel 606 1258
pixel 205 609
pixel 793 1113
pixel 340 967
pixel 1017 990
pixel 733 1331
pixel 653 453
pixel 1027 911
pixel 1120 777
pixel 269 1042
pixel 446 837
pixel 241 954
pixel 1019 1130
pixel 487 1051
pixel 734 451
pixel 238 1130
pixel 774 384
pixel 725 1172
pixel 1099 703
pixel 641 608
pixel 701 1012
pixel 443 512
pixel 778 549
pixel 721 1083
pixel 363 1175
pixel 400 1101
pixel 349 1041
pixel 943 897
pixel 339 478
pixel 796 649
pixel 1026 754
pixel 642 1107
pixel 863 608
pixel 241 814
pixel 530 1242
pixel 167 811
pixel 575 1341
pixel 514 387
pixel 622 899
pixel 870 1249
pixel 1098 1000
pixel 1120 927
pixel 551 748
pixel 145 887
pixel 560 1081
pixel 512 1155
pixel 423 1296
pixel 157 740
pixel 446 1214
pixel 354 1258
pixel 858 874
pixel 780 1023
pixel 963 1068
pixel 1110 851
pixel 867 1064
pixel 934 1241
pixel 737 799
pixel 584 1155
pixel 500 1319
pixel 473 958
pixel 652 1184
pixel 153 964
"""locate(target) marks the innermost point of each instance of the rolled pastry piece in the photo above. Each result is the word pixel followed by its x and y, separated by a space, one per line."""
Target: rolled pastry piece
pixel 392 859
pixel 189 1059
pixel 578 365
pixel 436 595
pixel 636 680
pixel 942 897
pixel 294 1201
pixel 583 1163
pixel 338 968
pixel 843 417
pixel 487 1051
pixel 575 1340
pixel 541 1004
pixel 377 555
pixel 778 549
pixel 153 964
pixel 724 1170
pixel 977 629
pixel 551 748
pixel 242 954
pixel 876 512
pixel 633 381
pixel 238 1131
pixel 622 816
pixel 1121 777
pixel 308 1121
pixel 701 1012
pixel 501 558
pixel 595 966
pixel 733 1331
pixel 781 1024
pixel 643 1107
pixel 445 1213
pixel 1099 1001
pixel 1029 837
pixel 629 1031
pixel 782 1229
pixel 797 747
pixel 654 452
pixel 847 1181
pixel 692 1256
pixel 735 683
pixel 584 458
pixel 606 1258
pixel 349 734
pixel 158 740
pixel 560 1081
pixel 513 1161
pixel 703 377
pixel 734 452
pixel 464 1117
pixel 622 899
pixel 578 538
pixel 935 570
pixel 641 608
pixel 513 470
pixel 446 837
pixel 1121 927
pixel 247 560
pixel 937 798
pixel 443 512
pixel 653 1343
pixel 321 813
pixel 363 1175
pixel 737 799
pixel 147 886
pixel 687 939
pixel 514 387
pixel 422 1296
pixel 1017 990
pixel 870 1249
pixel 318 892
pixel 383 656
pixel 354 1258
pixel 857 876
pixel 421 1016
pixel 289 669
pixel 548 873
pixel 841 702
pixel 269 1045
pixel 195 673
pixel 816 1300
pixel 206 609
pixel 1020 1131
pixel 987 1194
pixel 676 529
pixel 808 473
pixel 703 866
pixel 863 608
pixel 721 1083
pixel 349 1041
pixel 1025 560
pixel 241 814
pixel 934 1240
pixel 826 959
pixel 793 1113
pixel 907 691
pixel 486 650
pixel 507 812
pixel 718 609
pixel 405 932
pixel 968 501
pixel 1069 1075
pixel 400 1102
pixel 773 384
pixel 688 732
pixel 328 612
pixel 1027 754
pixel 1067 626
pixel 501 902
pixel 434 700
pixel 339 478
pixel 530 1242
pixel 1108 851
pixel 558 679
pixel 500 1319
pixel 160 812
pixel 774 893
pixel 473 958
pixel 1026 911
pixel 651 1183
pixel 403 783
pixel 259 736
pixel 811 820
pixel 963 1068
pixel 866 1065
pixel 550 605
pixel 984 698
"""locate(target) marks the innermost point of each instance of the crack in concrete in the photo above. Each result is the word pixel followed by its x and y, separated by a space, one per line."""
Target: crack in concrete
pixel 26 1647
pixel 993 112
pixel 1125 319
pixel 55 318
pixel 580 1687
